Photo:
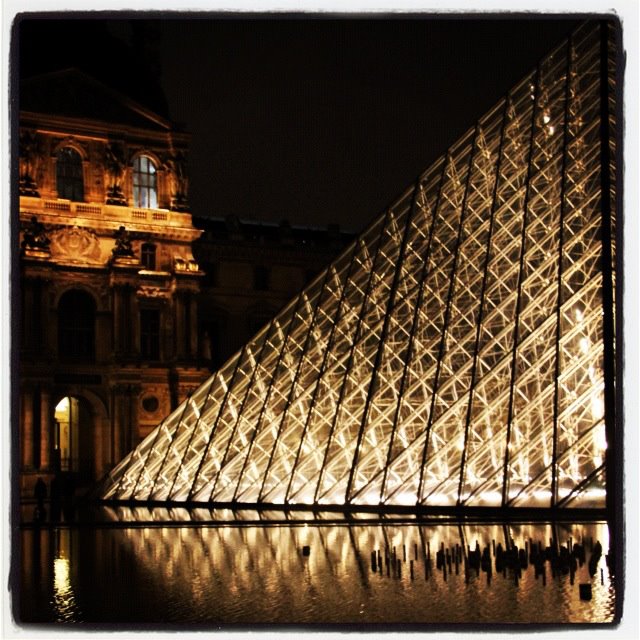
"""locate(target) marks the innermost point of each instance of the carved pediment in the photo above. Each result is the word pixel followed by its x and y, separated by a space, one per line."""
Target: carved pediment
pixel 151 292
pixel 76 245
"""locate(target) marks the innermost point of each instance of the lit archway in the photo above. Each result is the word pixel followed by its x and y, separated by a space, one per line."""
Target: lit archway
pixel 73 440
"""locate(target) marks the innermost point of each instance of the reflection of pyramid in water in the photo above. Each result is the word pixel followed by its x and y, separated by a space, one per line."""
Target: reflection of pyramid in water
pixel 453 355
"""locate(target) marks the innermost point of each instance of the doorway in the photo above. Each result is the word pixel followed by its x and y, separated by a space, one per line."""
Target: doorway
pixel 73 437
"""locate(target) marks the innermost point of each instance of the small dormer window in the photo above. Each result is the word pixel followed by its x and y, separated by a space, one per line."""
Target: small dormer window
pixel 69 181
pixel 148 256
pixel 145 191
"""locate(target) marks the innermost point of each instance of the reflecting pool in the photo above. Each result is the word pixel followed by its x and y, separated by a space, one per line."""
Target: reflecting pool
pixel 128 571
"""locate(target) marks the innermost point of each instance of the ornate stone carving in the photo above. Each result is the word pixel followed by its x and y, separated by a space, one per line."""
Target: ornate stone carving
pixel 123 248
pixel 30 160
pixel 151 292
pixel 185 265
pixel 114 163
pixel 179 180
pixel 151 410
pixel 69 141
pixel 34 237
pixel 76 244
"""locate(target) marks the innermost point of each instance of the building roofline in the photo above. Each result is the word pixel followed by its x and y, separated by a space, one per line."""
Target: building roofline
pixel 126 101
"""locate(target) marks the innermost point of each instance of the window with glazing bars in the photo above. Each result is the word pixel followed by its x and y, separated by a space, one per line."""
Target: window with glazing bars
pixel 148 256
pixel 69 181
pixel 145 191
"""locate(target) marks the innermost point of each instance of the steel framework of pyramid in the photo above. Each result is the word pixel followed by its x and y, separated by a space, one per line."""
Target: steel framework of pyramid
pixel 455 354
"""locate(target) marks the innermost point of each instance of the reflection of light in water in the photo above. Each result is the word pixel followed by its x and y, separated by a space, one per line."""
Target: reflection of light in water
pixel 61 574
pixel 63 594
pixel 236 573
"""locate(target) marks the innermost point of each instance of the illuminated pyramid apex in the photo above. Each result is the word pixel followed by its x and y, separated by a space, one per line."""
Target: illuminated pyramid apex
pixel 455 353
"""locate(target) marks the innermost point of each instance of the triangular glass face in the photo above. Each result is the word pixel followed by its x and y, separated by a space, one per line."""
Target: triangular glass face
pixel 454 355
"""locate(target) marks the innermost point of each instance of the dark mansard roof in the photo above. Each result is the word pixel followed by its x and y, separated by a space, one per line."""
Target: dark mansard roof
pixel 73 93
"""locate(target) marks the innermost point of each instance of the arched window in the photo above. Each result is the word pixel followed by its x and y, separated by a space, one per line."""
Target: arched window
pixel 73 444
pixel 148 256
pixel 145 191
pixel 69 181
pixel 76 326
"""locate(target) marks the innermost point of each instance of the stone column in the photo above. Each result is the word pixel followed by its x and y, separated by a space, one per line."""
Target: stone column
pixel 26 429
pixel 38 340
pixel 133 323
pixel 125 419
pixel 123 320
pixel 49 323
pixel 98 458
pixel 193 329
pixel 116 320
pixel 179 326
pixel 114 447
pixel 45 429
pixel 134 427
pixel 27 314
pixel 118 424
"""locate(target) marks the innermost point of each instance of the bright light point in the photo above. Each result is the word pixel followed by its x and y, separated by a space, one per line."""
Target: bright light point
pixel 61 574
pixel 600 437
pixel 491 497
pixel 370 498
pixel 404 498
pixel 306 498
pixel 597 408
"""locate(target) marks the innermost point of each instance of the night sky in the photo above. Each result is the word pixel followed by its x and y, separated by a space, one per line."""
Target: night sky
pixel 316 121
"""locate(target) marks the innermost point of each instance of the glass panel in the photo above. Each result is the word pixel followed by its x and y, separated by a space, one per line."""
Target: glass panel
pixel 144 183
pixel 454 354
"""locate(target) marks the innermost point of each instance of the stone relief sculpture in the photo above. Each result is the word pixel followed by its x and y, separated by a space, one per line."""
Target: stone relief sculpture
pixel 35 236
pixel 75 244
pixel 179 181
pixel 30 159
pixel 123 248
pixel 114 164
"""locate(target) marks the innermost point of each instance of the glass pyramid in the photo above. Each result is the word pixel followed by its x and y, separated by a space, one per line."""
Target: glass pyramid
pixel 455 353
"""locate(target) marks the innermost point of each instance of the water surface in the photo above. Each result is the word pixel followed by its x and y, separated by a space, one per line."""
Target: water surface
pixel 311 572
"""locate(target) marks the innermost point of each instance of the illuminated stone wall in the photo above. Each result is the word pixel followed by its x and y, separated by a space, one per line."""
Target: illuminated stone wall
pixel 454 354
pixel 202 281
pixel 92 245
